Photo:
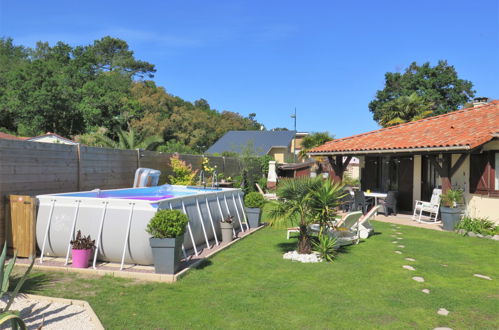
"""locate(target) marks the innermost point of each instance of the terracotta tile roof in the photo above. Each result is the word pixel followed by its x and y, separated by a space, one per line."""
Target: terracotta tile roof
pixel 12 137
pixel 462 129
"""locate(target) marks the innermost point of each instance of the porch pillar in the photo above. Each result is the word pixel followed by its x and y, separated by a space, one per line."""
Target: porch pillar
pixel 445 173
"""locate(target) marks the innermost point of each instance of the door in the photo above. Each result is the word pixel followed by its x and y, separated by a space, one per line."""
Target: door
pixel 405 183
pixel 22 216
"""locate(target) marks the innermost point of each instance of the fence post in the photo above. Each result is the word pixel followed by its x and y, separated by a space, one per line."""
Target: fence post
pixel 78 167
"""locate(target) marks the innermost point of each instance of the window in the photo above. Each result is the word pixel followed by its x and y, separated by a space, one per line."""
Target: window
pixel 484 173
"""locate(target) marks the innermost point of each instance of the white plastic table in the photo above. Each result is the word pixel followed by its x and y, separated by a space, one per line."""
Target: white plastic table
pixel 374 195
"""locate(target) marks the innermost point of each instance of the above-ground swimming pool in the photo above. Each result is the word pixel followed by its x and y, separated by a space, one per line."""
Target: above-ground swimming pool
pixel 117 219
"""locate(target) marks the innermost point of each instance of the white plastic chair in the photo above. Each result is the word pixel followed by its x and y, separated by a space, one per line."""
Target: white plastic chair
pixel 430 207
pixel 266 196
pixel 364 227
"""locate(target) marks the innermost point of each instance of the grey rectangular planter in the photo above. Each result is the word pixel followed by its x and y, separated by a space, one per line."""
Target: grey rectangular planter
pixel 167 253
pixel 253 216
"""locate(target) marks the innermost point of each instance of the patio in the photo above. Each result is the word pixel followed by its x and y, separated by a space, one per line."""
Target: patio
pixel 406 220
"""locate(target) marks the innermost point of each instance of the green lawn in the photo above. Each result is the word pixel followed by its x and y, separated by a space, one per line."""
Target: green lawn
pixel 249 285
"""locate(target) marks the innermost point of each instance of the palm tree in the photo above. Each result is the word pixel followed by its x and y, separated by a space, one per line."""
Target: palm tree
pixel 313 140
pixel 294 201
pixel 324 202
pixel 404 109
pixel 126 140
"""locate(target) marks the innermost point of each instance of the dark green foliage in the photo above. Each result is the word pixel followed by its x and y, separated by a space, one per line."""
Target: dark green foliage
pixel 313 140
pixel 439 87
pixel 78 90
pixel 254 200
pixel 82 243
pixel 326 246
pixel 167 224
pixel 478 226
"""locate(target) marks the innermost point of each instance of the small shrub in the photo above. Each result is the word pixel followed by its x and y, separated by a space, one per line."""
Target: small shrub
pixel 254 200
pixel 452 197
pixel 82 243
pixel 229 219
pixel 478 225
pixel 262 182
pixel 182 172
pixel 326 246
pixel 167 224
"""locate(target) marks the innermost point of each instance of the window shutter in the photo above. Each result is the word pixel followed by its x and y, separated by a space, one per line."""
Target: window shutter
pixel 480 173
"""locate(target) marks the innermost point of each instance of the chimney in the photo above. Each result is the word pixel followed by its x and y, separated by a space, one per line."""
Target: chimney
pixel 480 100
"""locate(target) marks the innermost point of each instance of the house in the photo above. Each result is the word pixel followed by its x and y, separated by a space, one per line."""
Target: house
pixel 51 138
pixel 459 149
pixel 281 145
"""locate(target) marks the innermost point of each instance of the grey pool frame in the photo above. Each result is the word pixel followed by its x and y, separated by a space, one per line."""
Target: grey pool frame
pixel 118 224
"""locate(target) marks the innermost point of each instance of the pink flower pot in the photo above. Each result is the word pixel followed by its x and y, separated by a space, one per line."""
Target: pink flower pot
pixel 80 258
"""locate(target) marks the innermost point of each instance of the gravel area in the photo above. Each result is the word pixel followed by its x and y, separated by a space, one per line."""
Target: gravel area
pixel 57 315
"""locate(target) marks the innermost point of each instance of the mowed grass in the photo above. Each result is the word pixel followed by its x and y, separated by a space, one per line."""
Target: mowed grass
pixel 249 285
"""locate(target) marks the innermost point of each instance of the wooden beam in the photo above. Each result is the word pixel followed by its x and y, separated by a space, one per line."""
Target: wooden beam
pixel 445 170
pixel 336 163
pixel 458 164
pixel 346 162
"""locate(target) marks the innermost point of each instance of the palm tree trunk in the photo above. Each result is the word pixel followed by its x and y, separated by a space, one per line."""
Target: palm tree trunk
pixel 303 241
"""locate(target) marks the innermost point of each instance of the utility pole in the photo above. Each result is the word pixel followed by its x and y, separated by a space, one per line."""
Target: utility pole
pixel 294 139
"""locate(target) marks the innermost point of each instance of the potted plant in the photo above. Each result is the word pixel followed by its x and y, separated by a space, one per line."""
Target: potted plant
pixel 167 229
pixel 81 250
pixel 227 227
pixel 253 203
pixel 449 211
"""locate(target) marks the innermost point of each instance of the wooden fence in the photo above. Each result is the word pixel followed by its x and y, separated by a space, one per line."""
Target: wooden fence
pixel 33 168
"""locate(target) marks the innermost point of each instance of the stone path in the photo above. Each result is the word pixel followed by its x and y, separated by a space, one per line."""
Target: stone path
pixel 420 279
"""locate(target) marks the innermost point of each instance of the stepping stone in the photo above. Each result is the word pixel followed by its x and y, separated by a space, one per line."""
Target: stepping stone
pixel 393 236
pixel 393 225
pixel 401 246
pixel 398 252
pixel 427 291
pixel 398 233
pixel 418 279
pixel 444 265
pixel 395 242
pixel 485 277
pixel 408 267
pixel 442 328
pixel 443 311
pixel 410 259
pixel 399 238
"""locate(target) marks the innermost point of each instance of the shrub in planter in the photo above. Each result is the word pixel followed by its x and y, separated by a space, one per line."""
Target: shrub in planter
pixel 253 203
pixel 167 229
pixel 81 250
pixel 450 213
pixel 227 228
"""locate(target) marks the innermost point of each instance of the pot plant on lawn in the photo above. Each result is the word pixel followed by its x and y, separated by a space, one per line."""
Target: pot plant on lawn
pixel 450 212
pixel 253 203
pixel 227 227
pixel 81 250
pixel 167 229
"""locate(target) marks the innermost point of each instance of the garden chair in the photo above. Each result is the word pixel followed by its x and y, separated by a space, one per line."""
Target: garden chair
pixel 430 207
pixel 266 196
pixel 347 203
pixel 360 202
pixel 364 226
pixel 346 231
pixel 389 203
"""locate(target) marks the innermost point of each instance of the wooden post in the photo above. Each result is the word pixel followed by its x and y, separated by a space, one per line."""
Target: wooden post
pixel 338 167
pixel 446 173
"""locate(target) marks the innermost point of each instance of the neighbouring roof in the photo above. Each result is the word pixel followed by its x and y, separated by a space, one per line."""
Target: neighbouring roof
pixel 12 137
pixel 57 137
pixel 458 130
pixel 262 141
pixel 297 166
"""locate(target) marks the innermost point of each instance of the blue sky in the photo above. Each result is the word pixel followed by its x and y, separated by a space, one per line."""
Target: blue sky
pixel 326 58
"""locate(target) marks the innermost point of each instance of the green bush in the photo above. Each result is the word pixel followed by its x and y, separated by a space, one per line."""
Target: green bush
pixel 254 200
pixel 478 226
pixel 167 224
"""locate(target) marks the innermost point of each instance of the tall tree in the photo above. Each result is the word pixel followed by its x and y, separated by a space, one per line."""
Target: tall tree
pixel 438 85
pixel 313 140
pixel 404 109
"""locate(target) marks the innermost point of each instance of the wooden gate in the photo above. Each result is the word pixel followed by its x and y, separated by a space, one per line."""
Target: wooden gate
pixel 23 217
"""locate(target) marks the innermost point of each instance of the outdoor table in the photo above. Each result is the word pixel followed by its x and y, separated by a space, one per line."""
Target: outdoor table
pixel 374 195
